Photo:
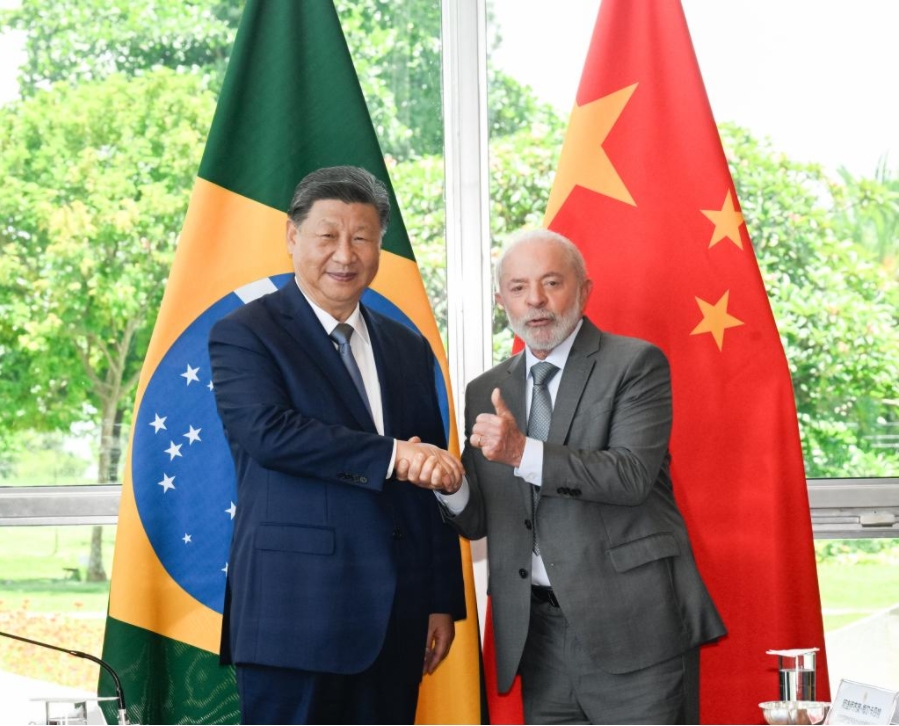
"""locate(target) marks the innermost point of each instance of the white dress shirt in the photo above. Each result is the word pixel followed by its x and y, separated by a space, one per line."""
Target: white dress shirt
pixel 364 354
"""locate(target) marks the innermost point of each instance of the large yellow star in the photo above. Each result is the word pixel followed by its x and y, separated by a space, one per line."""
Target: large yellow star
pixel 727 222
pixel 715 319
pixel 583 161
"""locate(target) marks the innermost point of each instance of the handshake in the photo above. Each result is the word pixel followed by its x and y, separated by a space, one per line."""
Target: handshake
pixel 430 467
pixel 427 466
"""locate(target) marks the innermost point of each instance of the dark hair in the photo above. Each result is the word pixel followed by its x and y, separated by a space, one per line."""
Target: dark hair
pixel 348 184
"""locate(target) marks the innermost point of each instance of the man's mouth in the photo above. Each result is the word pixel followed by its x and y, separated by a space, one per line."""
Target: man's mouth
pixel 540 322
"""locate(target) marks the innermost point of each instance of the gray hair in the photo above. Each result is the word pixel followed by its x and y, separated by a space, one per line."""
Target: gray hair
pixel 347 184
pixel 575 258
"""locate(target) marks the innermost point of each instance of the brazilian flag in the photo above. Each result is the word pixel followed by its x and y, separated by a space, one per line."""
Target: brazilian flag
pixel 291 103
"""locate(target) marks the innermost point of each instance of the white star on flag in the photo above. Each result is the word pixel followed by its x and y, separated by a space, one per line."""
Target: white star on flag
pixel 191 374
pixel 209 385
pixel 193 435
pixel 168 482
pixel 173 450
pixel 158 423
pixel 225 568
pixel 231 510
pixel 186 538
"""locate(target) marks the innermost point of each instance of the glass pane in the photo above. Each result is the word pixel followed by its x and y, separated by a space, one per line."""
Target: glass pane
pixel 859 581
pixel 45 595
pixel 814 152
pixel 51 458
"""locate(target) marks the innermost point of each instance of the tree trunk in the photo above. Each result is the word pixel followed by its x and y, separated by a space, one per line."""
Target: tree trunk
pixel 110 456
pixel 95 571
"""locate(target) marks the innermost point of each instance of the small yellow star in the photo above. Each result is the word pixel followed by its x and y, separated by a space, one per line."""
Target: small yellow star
pixel 727 222
pixel 715 319
pixel 583 161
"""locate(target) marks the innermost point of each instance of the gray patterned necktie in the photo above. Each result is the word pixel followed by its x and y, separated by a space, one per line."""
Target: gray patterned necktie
pixel 341 335
pixel 539 419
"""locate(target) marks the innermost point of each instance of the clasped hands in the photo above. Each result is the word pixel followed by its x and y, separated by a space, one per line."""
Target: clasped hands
pixel 427 466
pixel 430 467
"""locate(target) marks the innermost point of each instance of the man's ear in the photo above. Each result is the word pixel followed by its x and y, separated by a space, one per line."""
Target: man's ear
pixel 586 289
pixel 290 236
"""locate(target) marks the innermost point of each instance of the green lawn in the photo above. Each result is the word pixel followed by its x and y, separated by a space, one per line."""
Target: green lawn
pixel 38 567
pixel 851 591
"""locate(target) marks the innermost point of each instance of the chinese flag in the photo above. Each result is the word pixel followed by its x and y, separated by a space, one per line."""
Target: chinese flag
pixel 643 189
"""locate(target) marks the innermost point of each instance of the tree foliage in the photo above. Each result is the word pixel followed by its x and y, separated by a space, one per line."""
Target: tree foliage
pixel 88 40
pixel 834 303
pixel 396 48
pixel 867 209
pixel 90 211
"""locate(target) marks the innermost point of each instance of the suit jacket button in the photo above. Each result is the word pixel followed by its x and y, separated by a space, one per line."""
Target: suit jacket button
pixel 364 479
pixel 522 573
pixel 527 522
pixel 398 534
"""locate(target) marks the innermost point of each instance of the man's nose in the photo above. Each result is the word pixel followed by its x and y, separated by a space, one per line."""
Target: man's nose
pixel 343 252
pixel 536 297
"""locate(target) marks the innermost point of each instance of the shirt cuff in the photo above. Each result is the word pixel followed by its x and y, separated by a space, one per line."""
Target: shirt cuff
pixel 455 503
pixel 392 461
pixel 530 468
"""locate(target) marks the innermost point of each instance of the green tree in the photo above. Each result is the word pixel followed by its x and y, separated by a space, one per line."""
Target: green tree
pixel 88 40
pixel 396 48
pixel 867 210
pixel 90 209
pixel 833 302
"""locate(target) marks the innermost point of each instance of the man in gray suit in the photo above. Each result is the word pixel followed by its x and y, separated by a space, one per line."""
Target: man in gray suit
pixel 597 601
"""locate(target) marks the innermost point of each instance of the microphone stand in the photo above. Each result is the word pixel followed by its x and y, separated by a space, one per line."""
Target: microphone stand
pixel 120 694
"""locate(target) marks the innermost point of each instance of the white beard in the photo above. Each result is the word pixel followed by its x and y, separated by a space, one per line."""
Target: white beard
pixel 548 337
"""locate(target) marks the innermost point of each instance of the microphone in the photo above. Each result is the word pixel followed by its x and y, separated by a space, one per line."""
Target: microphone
pixel 120 694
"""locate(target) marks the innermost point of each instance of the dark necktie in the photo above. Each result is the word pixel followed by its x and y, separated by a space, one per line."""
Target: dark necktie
pixel 341 335
pixel 539 419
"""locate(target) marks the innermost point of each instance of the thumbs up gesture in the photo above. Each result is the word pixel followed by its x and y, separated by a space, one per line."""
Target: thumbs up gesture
pixel 497 435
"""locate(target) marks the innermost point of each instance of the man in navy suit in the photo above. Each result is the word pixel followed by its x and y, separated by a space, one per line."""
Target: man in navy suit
pixel 343 580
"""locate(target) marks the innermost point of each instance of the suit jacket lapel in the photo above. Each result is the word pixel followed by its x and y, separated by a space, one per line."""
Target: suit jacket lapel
pixel 301 323
pixel 513 389
pixel 578 367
